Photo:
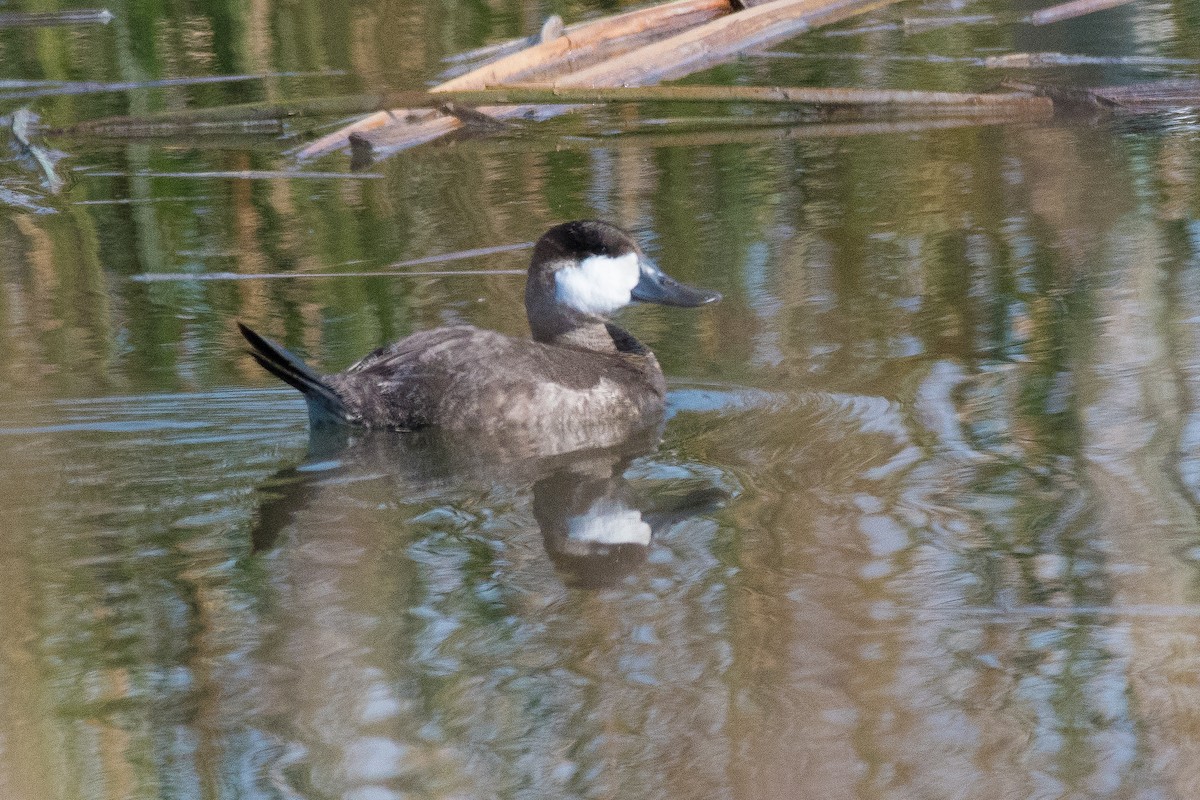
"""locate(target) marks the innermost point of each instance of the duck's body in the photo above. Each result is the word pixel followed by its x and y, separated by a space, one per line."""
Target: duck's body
pixel 578 372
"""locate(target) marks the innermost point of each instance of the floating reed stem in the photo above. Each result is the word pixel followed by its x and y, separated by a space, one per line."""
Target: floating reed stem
pixel 579 45
pixel 644 58
pixel 718 41
pixel 266 115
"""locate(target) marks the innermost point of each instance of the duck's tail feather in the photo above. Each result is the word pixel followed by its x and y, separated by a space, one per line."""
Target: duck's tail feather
pixel 324 404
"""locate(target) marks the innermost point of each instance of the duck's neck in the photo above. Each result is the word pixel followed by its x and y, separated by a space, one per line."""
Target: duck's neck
pixel 587 334
pixel 585 337
pixel 555 324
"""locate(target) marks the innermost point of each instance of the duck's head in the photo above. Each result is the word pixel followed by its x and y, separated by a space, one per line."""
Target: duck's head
pixel 584 271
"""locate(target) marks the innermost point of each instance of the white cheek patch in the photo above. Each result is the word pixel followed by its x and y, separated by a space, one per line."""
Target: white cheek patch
pixel 609 522
pixel 599 284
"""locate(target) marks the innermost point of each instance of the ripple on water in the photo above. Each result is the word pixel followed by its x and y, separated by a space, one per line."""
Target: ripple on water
pixel 766 438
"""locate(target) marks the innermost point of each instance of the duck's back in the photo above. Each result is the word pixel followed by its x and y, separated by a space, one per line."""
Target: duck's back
pixel 470 379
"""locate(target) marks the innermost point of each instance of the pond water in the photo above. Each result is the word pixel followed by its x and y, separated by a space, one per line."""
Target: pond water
pixel 922 523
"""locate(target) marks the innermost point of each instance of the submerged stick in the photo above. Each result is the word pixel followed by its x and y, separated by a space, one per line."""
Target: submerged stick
pixel 1134 98
pixel 705 131
pixel 658 137
pixel 773 95
pixel 175 122
pixel 1076 8
pixel 1152 95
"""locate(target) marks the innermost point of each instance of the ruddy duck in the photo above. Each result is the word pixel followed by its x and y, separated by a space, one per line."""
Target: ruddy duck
pixel 579 372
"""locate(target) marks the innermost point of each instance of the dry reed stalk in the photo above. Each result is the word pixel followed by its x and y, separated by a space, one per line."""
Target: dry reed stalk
pixel 698 48
pixel 590 43
pixel 579 44
pixel 718 41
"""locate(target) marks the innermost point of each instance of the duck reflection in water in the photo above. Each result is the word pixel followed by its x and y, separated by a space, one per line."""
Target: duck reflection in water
pixel 596 526
pixel 569 408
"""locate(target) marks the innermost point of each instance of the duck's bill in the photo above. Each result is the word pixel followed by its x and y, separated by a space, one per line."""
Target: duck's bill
pixel 656 286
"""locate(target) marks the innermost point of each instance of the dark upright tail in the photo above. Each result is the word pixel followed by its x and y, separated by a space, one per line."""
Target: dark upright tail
pixel 324 405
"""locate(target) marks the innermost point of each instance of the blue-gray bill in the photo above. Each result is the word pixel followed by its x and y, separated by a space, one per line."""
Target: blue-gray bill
pixel 656 286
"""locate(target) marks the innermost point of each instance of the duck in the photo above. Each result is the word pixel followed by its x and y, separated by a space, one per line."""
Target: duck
pixel 577 374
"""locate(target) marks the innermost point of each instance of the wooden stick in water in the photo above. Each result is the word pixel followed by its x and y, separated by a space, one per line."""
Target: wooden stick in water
pixel 718 41
pixel 580 44
pixel 698 48
pixel 1076 8
pixel 772 95
pixel 591 42
pixel 1134 98
pixel 267 117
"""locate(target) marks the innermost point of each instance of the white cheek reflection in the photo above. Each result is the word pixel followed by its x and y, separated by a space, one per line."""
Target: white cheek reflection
pixel 609 521
pixel 598 284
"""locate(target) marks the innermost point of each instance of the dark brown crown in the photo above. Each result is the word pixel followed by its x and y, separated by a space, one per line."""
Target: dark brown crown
pixel 572 241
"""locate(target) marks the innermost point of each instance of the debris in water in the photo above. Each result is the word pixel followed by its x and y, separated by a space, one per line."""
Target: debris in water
pixel 504 101
pixel 1134 98
pixel 637 48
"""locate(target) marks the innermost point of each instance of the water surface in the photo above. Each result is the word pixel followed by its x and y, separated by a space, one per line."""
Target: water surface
pixel 922 521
